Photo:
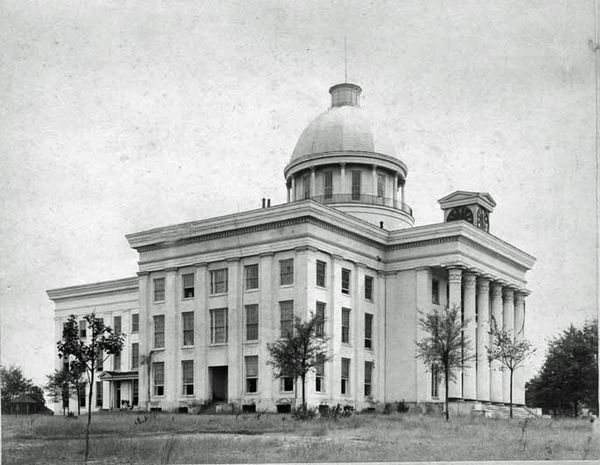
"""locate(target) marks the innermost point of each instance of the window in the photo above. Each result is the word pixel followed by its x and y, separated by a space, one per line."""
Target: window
pixel 328 185
pixel 82 329
pixel 117 362
pixel 320 375
pixel 287 317
pixel 321 270
pixel 368 331
pixel 320 314
pixel 346 325
pixel 136 392
pixel 159 331
pixel 100 361
pixel 251 273
pixel 158 370
pixel 380 185
pixel 345 376
pixel 287 384
pixel 187 369
pixel 369 287
pixel 135 355
pixel 218 326
pixel 368 378
pixel 82 395
pixel 99 394
pixel 345 281
pixel 435 380
pixel 188 328
pixel 306 186
pixel 356 185
pixel 251 373
pixel 135 323
pixel 286 271
pixel 159 290
pixel 435 291
pixel 218 281
pixel 188 285
pixel 117 325
pixel 251 322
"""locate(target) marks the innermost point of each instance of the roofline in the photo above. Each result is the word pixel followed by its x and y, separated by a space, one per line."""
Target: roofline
pixel 101 287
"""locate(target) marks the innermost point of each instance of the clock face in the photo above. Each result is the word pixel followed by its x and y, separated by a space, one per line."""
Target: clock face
pixel 461 213
pixel 483 219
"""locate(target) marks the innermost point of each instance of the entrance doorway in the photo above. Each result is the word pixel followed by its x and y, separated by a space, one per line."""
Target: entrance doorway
pixel 117 395
pixel 218 383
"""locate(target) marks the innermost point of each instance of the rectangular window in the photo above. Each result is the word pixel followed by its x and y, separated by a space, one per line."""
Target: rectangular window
pixel 188 328
pixel 117 325
pixel 328 185
pixel 287 383
pixel 159 290
pixel 368 331
pixel 369 287
pixel 435 381
pixel 188 285
pixel 435 291
pixel 117 362
pixel 100 361
pixel 320 375
pixel 135 323
pixel 306 186
pixel 135 355
pixel 346 325
pixel 99 394
pixel 159 331
pixel 251 322
pixel 158 371
pixel 320 314
pixel 345 388
pixel 368 378
pixel 218 326
pixel 82 329
pixel 356 185
pixel 136 392
pixel 82 395
pixel 345 281
pixel 251 273
pixel 218 281
pixel 286 272
pixel 251 373
pixel 321 271
pixel 287 317
pixel 380 186
pixel 187 370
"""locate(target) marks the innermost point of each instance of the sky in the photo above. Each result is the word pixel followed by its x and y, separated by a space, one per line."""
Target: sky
pixel 117 117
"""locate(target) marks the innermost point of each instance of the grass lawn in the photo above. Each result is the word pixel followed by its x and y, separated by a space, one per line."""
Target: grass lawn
pixel 174 438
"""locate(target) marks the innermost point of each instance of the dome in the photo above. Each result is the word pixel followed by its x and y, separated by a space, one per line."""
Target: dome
pixel 344 127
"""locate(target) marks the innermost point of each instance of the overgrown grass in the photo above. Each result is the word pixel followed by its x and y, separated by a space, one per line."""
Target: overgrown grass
pixel 173 438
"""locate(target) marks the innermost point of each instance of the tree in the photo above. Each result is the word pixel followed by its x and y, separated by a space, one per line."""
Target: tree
pixel 299 351
pixel 86 353
pixel 14 384
pixel 58 387
pixel 568 379
pixel 445 348
pixel 511 352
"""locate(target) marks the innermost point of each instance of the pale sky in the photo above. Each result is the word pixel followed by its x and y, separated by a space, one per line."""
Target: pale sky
pixel 116 117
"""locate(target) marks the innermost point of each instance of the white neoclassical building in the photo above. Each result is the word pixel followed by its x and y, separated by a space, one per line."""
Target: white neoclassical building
pixel 210 294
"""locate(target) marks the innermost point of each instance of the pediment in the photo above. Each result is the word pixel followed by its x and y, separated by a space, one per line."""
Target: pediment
pixel 458 198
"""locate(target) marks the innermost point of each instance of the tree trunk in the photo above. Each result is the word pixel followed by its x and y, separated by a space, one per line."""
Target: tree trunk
pixel 446 394
pixel 575 408
pixel 511 394
pixel 89 421
pixel 304 395
pixel 78 397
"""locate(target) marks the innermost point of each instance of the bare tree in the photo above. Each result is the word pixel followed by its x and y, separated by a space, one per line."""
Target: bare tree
pixel 509 351
pixel 299 351
pixel 445 347
pixel 87 354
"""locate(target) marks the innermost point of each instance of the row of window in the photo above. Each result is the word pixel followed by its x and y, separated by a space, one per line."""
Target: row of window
pixel 219 280
pixel 117 328
pixel 355 189
pixel 251 376
pixel 219 325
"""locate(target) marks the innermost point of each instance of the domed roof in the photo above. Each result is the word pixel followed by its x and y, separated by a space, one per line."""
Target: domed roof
pixel 344 127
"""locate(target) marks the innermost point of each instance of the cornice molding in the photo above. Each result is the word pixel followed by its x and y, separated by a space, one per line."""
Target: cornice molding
pixel 102 287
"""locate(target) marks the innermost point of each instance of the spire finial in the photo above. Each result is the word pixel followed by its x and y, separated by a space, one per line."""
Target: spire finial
pixel 345 60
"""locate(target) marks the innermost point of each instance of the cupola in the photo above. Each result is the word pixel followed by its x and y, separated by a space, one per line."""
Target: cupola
pixel 472 207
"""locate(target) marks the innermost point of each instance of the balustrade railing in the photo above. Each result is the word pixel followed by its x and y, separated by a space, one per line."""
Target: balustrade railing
pixel 363 198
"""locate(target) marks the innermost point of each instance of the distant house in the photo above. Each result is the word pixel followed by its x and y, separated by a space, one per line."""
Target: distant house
pixel 25 404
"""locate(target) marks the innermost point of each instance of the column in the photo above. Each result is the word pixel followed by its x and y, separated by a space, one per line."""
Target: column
pixel 395 190
pixel 267 330
pixel 402 192
pixel 422 374
pixel 380 346
pixel 519 380
pixel 288 187
pixel 342 189
pixel 374 180
pixel 483 337
pixel 235 359
pixel 313 181
pixel 470 333
pixel 332 323
pixel 172 341
pixel 495 366
pixel 508 320
pixel 454 282
pixel 293 189
pixel 144 347
pixel 201 330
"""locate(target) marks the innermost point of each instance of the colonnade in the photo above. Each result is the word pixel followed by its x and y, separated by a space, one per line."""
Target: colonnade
pixel 484 301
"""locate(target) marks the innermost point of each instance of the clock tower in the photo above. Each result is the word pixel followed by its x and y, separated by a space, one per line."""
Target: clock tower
pixel 472 207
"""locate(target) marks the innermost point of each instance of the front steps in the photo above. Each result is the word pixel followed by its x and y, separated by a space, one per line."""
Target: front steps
pixel 491 410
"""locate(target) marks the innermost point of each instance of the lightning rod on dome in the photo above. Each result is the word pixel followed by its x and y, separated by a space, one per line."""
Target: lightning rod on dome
pixel 345 60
